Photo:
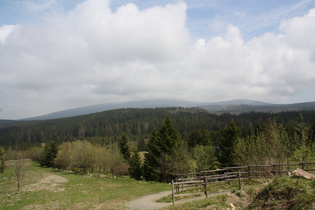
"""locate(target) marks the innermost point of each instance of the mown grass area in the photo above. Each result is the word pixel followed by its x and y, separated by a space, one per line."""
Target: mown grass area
pixel 79 192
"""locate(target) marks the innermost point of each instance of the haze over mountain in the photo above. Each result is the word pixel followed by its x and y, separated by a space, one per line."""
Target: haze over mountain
pixel 236 106
pixel 110 106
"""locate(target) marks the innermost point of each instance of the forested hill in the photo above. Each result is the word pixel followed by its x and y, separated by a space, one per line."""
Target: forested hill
pixel 241 106
pixel 106 127
pixel 236 106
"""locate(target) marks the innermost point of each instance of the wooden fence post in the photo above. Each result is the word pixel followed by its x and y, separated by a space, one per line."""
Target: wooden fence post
pixel 248 172
pixel 239 180
pixel 173 196
pixel 206 187
pixel 177 186
pixel 273 170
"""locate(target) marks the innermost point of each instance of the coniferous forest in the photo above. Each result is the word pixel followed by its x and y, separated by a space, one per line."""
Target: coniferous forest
pixel 157 144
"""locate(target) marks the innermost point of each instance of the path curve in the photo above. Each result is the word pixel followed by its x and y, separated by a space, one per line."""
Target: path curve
pixel 149 202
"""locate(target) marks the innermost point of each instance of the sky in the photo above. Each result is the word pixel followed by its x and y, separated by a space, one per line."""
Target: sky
pixel 63 54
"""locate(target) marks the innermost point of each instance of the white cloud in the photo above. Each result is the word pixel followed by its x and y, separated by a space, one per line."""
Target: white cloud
pixel 272 67
pixel 299 31
pixel 5 31
pixel 92 55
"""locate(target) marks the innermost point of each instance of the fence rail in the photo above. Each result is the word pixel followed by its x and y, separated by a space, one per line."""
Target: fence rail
pixel 205 178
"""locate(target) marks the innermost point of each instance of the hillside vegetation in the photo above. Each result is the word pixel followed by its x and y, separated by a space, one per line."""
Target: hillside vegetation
pixel 286 193
pixel 106 127
pixel 172 140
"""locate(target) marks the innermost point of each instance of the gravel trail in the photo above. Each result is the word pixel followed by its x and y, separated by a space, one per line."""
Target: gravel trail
pixel 149 202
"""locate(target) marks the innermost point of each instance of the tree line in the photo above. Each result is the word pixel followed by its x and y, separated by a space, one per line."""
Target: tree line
pixel 179 141
pixel 107 127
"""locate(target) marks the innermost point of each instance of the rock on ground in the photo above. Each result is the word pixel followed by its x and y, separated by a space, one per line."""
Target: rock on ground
pixel 301 173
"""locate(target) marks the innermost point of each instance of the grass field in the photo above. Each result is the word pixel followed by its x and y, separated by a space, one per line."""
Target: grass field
pixel 46 188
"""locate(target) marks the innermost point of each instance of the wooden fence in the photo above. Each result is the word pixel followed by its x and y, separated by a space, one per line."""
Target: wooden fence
pixel 205 178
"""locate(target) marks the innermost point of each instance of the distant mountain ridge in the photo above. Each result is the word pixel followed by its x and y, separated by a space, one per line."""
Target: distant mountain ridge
pixel 239 102
pixel 110 106
pixel 236 106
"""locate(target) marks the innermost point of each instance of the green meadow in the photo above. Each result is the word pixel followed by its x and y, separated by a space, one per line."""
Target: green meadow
pixel 47 188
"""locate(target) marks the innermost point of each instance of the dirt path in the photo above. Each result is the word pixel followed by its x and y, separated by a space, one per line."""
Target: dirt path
pixel 49 182
pixel 149 202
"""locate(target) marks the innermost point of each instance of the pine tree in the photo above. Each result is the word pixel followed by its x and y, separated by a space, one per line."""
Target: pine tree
pixel 141 144
pixel 124 147
pixel 229 137
pixel 160 148
pixel 132 158
pixel 151 162
pixel 49 154
pixel 199 137
pixel 135 164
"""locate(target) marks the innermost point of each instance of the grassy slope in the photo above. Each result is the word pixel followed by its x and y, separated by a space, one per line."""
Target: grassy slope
pixel 239 198
pixel 280 193
pixel 286 193
pixel 218 202
pixel 85 192
pixel 80 192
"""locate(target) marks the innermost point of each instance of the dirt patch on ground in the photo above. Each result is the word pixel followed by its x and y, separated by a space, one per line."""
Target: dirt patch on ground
pixel 49 182
pixel 239 200
pixel 24 162
pixel 51 206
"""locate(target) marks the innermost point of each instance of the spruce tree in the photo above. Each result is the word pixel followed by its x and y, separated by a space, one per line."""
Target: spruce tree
pixel 135 164
pixel 160 148
pixel 132 158
pixel 124 147
pixel 49 154
pixel 229 137
pixel 151 162
pixel 141 144
pixel 199 137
